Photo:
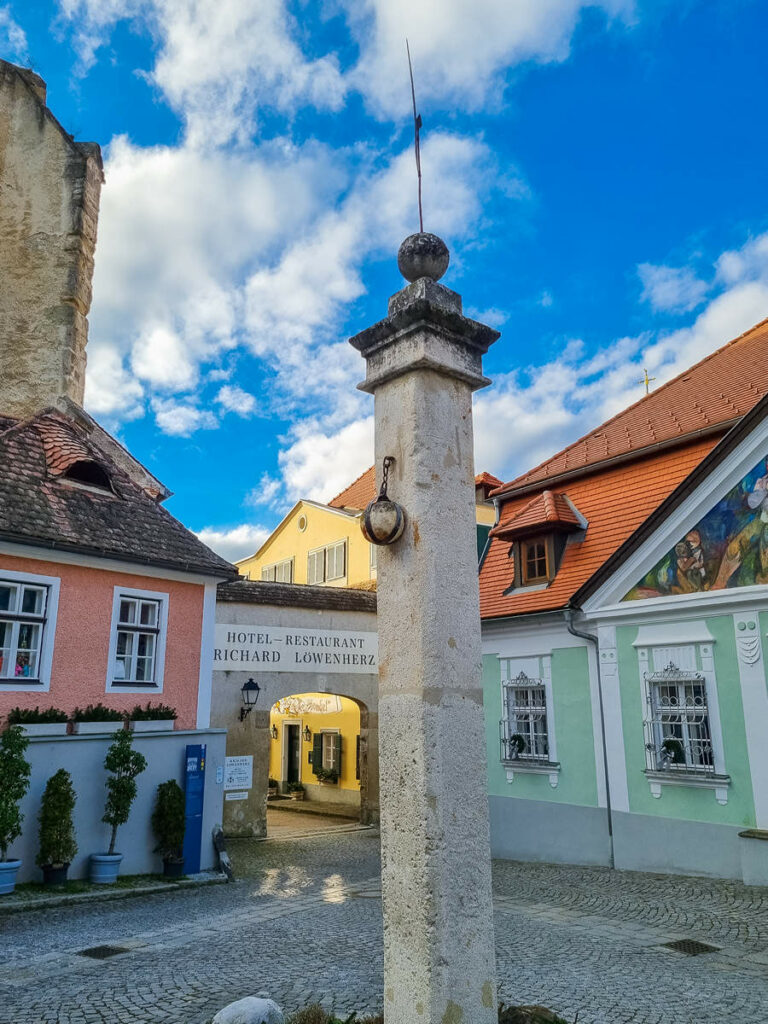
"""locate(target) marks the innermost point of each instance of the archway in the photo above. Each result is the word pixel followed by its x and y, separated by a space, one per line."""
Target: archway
pixel 323 759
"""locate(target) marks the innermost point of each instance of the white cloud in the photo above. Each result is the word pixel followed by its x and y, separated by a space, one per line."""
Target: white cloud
pixel 109 389
pixel 218 61
pixel 13 40
pixel 265 491
pixel 234 399
pixel 671 289
pixel 319 464
pixel 181 419
pixel 235 543
pixel 161 357
pixel 461 49
pixel 527 416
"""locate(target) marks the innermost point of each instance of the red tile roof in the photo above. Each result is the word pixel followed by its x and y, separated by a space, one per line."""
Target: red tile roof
pixel 714 393
pixel 359 493
pixel 363 490
pixel 546 509
pixel 614 501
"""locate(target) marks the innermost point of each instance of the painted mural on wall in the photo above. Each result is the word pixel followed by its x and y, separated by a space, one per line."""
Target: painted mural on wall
pixel 727 548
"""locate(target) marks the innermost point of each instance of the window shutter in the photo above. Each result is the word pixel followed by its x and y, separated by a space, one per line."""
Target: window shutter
pixel 337 752
pixel 317 752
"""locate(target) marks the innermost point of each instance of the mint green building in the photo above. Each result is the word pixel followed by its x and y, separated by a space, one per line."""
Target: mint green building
pixel 624 598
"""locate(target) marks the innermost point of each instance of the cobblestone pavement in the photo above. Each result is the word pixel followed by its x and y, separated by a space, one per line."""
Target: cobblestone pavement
pixel 290 825
pixel 303 923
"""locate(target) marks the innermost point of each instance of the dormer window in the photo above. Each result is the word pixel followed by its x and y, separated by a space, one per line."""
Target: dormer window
pixel 538 534
pixel 534 560
pixel 88 473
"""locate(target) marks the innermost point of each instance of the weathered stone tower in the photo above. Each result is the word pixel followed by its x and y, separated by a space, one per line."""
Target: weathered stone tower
pixel 49 204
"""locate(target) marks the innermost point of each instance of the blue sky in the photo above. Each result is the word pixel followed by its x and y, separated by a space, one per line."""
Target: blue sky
pixel 598 170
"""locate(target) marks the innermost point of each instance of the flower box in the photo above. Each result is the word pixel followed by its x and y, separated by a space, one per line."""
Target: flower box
pixel 151 724
pixel 95 728
pixel 44 728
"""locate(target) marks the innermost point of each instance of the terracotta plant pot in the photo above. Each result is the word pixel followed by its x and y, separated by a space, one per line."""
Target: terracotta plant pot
pixel 296 795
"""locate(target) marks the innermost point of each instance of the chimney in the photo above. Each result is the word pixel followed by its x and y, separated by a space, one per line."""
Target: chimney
pixel 49 205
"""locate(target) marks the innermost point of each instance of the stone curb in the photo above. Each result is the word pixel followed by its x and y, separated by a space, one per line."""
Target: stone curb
pixel 312 834
pixel 49 902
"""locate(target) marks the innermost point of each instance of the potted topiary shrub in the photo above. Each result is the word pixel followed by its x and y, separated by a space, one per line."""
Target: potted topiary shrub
pixel 57 831
pixel 14 782
pixel 96 719
pixel 34 722
pixel 295 791
pixel 151 718
pixel 272 788
pixel 124 764
pixel 168 824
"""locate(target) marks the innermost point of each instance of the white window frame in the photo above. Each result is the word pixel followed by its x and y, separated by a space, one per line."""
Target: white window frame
pixel 313 580
pixel 273 569
pixel 538 670
pixel 53 585
pixel 130 686
pixel 655 658
pixel 330 733
pixel 374 561
pixel 334 548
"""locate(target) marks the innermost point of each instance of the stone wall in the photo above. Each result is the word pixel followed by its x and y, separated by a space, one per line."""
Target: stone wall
pixel 49 203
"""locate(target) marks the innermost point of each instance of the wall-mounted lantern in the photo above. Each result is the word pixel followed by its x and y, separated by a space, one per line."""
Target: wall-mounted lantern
pixel 273 730
pixel 250 694
pixel 307 734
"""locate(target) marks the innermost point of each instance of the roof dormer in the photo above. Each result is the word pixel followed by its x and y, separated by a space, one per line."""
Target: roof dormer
pixel 538 534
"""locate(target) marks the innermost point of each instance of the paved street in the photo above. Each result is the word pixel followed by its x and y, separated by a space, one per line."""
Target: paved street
pixel 303 923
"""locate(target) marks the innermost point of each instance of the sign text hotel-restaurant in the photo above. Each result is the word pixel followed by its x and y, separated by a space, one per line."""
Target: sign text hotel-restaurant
pixel 287 649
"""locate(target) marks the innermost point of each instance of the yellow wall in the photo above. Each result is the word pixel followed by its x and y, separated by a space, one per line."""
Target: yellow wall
pixel 485 514
pixel 346 721
pixel 324 526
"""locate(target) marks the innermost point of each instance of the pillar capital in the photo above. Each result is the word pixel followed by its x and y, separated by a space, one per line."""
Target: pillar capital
pixel 424 329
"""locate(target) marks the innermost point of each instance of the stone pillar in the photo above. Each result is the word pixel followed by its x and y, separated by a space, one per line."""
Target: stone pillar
pixel 423 363
pixel 252 736
pixel 369 766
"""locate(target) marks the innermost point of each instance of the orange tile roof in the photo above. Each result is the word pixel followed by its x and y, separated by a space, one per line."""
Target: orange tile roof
pixel 363 490
pixel 614 500
pixel 546 509
pixel 715 392
pixel 359 492
pixel 487 479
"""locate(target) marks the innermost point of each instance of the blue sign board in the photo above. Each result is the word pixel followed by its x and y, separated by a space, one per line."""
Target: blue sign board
pixel 194 776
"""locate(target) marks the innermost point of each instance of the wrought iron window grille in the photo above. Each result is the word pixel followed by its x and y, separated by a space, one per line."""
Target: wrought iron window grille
pixel 678 738
pixel 523 733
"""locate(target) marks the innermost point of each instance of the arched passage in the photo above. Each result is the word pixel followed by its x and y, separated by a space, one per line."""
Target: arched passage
pixel 324 753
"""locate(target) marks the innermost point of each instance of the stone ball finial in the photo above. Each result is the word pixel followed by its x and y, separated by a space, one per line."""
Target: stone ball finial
pixel 423 255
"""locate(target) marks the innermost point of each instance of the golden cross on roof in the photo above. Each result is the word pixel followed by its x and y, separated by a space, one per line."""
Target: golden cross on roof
pixel 647 381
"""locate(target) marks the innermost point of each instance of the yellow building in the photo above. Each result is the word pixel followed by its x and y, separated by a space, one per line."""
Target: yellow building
pixel 316 742
pixel 323 544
